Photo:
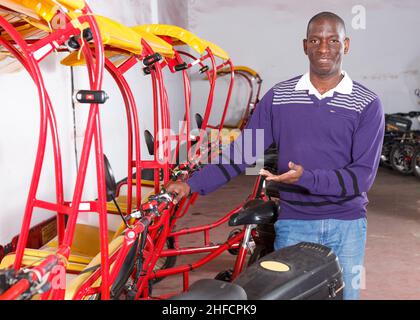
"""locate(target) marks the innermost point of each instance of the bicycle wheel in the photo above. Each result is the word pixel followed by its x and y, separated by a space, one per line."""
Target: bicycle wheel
pixel 123 281
pixel 386 152
pixel 416 163
pixel 401 158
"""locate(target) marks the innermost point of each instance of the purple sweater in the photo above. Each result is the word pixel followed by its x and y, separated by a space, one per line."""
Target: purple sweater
pixel 337 140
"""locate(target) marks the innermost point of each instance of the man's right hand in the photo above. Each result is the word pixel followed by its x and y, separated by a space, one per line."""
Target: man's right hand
pixel 181 190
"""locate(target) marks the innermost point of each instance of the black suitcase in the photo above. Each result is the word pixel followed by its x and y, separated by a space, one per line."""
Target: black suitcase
pixel 305 271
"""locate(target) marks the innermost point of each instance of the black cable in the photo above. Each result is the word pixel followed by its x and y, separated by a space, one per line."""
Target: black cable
pixel 119 211
pixel 74 118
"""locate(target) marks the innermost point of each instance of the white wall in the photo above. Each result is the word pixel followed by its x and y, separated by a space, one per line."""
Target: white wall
pixel 19 123
pixel 267 35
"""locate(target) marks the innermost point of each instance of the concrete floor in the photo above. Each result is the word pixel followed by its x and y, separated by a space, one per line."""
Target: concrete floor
pixel 393 244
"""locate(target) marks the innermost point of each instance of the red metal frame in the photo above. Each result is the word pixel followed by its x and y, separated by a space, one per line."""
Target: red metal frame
pixel 30 57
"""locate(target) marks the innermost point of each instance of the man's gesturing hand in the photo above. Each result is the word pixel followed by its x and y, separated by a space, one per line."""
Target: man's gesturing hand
pixel 290 177
pixel 181 190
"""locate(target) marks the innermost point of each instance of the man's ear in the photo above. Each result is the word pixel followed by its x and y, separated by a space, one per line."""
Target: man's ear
pixel 346 45
pixel 305 46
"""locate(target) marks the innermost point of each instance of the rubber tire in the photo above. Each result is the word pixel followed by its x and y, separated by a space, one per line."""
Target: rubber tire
pixel 416 162
pixel 408 169
pixel 386 152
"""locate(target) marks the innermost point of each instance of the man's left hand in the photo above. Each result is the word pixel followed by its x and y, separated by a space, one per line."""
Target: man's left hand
pixel 290 177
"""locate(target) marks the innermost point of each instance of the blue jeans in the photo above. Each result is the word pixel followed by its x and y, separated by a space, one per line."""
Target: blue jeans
pixel 346 238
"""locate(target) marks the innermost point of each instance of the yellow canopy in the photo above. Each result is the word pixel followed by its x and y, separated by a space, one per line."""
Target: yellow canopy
pixel 181 36
pixel 37 9
pixel 76 60
pixel 252 72
pixel 119 36
pixel 157 44
pixel 42 9
pixel 38 15
pixel 116 35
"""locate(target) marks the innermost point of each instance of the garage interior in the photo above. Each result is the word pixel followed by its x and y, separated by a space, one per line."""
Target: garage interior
pixel 263 40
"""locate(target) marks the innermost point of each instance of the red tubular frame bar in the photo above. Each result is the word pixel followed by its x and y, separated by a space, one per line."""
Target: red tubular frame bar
pixel 132 124
pixel 252 102
pixel 243 121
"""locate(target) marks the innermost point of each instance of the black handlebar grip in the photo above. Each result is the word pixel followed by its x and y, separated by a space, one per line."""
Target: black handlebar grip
pixel 73 43
pixel 145 221
pixel 181 66
pixel 152 59
pixel 87 34
pixel 204 69
pixel 91 96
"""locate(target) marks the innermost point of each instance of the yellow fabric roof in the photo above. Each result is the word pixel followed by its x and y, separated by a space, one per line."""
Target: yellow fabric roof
pixel 37 9
pixel 181 36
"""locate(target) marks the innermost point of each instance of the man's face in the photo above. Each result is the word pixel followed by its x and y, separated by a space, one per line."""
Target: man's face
pixel 325 46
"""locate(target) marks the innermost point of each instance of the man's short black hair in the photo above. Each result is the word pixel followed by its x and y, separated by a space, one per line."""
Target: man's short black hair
pixel 326 15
